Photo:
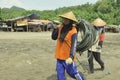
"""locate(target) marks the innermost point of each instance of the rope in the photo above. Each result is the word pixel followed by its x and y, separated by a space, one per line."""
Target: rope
pixel 88 38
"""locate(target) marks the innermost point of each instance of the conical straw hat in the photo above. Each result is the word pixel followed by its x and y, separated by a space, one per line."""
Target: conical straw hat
pixel 99 22
pixel 69 15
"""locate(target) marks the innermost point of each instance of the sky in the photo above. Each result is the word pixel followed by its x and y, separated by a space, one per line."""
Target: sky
pixel 42 4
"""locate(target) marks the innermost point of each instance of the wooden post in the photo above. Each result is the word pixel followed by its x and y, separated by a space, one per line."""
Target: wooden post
pixel 27 28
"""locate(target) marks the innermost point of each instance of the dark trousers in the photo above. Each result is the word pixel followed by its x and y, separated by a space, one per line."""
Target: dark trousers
pixel 100 43
pixel 97 57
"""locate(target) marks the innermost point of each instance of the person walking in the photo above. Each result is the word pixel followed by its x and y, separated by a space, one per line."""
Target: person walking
pixel 95 50
pixel 102 36
pixel 66 36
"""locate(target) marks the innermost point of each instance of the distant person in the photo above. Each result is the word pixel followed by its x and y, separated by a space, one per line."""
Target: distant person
pixel 66 36
pixel 95 50
pixel 102 36
pixel 56 23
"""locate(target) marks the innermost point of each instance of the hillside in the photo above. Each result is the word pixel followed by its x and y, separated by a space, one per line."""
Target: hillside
pixel 17 8
pixel 108 10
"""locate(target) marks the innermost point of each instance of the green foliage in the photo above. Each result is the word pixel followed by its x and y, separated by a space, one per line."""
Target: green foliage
pixel 108 10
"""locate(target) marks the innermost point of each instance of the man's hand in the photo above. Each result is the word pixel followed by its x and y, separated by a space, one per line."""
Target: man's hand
pixel 69 61
pixel 98 47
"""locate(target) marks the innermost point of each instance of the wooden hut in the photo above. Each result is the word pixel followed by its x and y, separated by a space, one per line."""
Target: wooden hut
pixel 43 25
pixel 112 28
pixel 34 26
pixel 20 23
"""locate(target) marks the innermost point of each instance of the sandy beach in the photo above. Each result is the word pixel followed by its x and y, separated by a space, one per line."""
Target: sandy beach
pixel 30 56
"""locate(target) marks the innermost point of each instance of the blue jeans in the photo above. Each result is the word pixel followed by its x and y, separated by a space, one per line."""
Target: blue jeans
pixel 71 69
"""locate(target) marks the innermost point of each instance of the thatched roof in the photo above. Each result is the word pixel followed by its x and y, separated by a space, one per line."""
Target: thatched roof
pixel 17 18
pixel 42 21
pixel 34 23
pixel 30 16
pixel 22 23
